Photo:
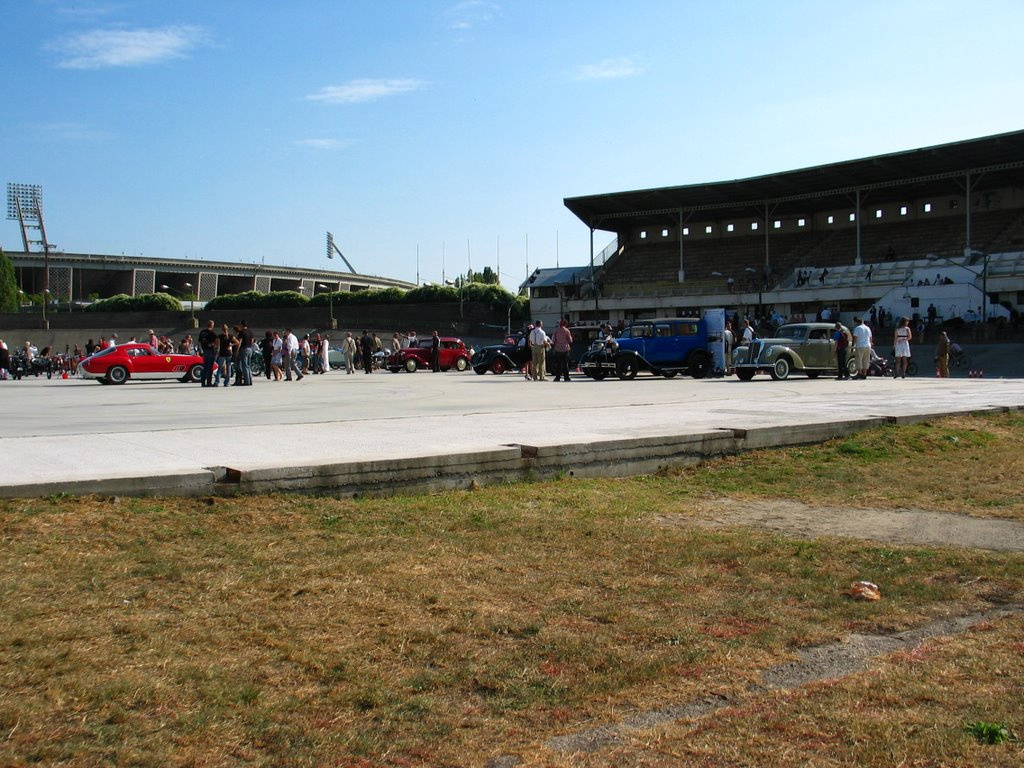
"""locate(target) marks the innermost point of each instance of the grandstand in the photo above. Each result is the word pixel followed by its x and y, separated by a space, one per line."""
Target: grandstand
pixel 941 226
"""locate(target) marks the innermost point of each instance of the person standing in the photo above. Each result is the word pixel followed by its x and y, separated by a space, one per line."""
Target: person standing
pixel 396 343
pixel 901 347
pixel 315 345
pixel 208 347
pixel 245 353
pixel 862 347
pixel 325 353
pixel 349 349
pixel 267 350
pixel 747 331
pixel 842 341
pixel 729 339
pixel 277 358
pixel 435 352
pixel 539 343
pixel 305 353
pixel 561 343
pixel 289 353
pixel 942 356
pixel 366 345
pixel 223 356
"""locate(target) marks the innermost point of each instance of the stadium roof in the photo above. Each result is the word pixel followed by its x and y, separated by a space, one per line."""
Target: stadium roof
pixel 993 160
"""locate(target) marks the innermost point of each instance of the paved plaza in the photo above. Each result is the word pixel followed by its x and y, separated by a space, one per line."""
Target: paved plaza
pixel 75 435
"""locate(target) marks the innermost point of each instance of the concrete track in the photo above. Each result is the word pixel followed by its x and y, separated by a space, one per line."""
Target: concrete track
pixel 388 432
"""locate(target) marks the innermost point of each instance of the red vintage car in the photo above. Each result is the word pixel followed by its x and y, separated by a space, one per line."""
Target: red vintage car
pixel 453 354
pixel 115 365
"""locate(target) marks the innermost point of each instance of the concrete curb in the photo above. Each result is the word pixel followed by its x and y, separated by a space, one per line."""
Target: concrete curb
pixel 197 483
pixel 621 457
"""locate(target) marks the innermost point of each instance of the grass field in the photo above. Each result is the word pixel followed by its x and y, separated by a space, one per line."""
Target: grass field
pixel 452 628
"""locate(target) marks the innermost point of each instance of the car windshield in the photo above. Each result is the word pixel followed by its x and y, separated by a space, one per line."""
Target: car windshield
pixel 105 351
pixel 796 332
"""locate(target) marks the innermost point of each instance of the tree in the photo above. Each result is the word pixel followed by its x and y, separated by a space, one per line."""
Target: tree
pixel 8 285
pixel 488 277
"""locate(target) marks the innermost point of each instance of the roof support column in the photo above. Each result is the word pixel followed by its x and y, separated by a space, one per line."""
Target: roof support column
pixel 682 270
pixel 767 258
pixel 593 282
pixel 967 204
pixel 856 255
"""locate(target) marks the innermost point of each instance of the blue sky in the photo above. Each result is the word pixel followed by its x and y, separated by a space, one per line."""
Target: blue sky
pixel 243 131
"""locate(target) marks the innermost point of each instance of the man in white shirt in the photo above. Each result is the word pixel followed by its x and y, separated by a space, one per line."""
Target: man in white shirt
pixel 538 341
pixel 862 347
pixel 291 349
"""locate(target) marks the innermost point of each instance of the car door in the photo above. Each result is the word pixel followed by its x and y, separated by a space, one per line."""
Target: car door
pixel 449 351
pixel 665 346
pixel 145 363
pixel 817 351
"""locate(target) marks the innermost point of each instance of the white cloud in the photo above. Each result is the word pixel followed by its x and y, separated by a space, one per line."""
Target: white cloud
pixel 357 91
pixel 609 69
pixel 323 144
pixel 104 48
pixel 471 13
pixel 68 131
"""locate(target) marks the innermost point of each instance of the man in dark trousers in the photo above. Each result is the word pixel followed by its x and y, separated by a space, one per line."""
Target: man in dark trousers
pixel 435 353
pixel 244 354
pixel 208 345
pixel 842 345
pixel 366 347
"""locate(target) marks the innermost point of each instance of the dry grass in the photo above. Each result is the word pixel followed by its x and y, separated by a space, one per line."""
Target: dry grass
pixel 966 464
pixel 441 630
pixel 910 709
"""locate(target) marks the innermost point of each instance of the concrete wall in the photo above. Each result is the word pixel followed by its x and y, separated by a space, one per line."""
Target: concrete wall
pixel 70 328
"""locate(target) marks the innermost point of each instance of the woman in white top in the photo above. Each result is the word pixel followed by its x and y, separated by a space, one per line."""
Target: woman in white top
pixel 901 347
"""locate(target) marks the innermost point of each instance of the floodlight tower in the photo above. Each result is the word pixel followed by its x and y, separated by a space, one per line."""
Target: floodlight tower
pixel 333 249
pixel 25 203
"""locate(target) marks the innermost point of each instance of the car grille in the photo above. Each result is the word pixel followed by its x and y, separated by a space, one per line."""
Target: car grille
pixel 755 350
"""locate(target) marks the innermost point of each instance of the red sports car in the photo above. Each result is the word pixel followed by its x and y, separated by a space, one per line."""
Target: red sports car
pixel 115 365
pixel 453 354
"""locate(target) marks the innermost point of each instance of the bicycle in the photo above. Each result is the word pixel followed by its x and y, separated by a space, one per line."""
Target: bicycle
pixel 256 363
pixel 959 359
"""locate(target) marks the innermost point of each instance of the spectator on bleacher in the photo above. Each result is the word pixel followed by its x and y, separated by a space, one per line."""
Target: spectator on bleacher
pixel 824 274
pixel 870 270
pixel 730 284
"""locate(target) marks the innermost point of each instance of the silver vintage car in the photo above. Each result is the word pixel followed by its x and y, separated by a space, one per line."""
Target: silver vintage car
pixel 806 348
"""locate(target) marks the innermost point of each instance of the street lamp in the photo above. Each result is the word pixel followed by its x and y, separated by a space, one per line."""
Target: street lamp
pixel 460 282
pixel 330 303
pixel 191 301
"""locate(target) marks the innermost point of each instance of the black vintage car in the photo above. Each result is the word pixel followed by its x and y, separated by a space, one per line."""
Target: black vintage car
pixel 513 354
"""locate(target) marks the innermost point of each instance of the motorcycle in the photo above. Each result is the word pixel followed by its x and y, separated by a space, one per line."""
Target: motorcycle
pixel 39 366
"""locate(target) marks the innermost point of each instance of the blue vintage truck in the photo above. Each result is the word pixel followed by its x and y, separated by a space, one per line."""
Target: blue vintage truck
pixel 665 346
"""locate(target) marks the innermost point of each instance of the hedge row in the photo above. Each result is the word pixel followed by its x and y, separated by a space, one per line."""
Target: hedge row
pixel 496 297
